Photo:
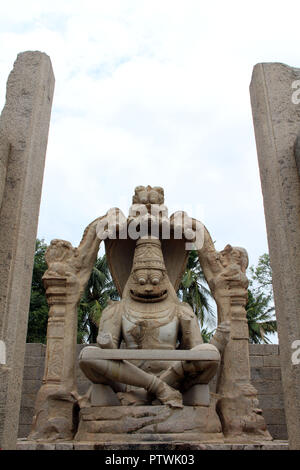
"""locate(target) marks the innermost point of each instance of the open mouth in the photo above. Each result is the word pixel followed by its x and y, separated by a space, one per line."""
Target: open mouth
pixel 151 297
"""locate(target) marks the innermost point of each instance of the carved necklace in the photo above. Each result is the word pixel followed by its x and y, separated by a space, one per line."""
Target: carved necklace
pixel 137 312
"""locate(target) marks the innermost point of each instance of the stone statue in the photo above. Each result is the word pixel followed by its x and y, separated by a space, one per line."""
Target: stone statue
pixel 150 316
pixel 150 372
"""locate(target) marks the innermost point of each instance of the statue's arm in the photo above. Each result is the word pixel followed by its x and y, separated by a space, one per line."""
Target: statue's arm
pixel 189 326
pixel 209 259
pixel 88 249
pixel 110 327
pixel 221 336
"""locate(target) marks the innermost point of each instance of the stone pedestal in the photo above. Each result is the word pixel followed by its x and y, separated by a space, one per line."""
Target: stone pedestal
pixel 149 423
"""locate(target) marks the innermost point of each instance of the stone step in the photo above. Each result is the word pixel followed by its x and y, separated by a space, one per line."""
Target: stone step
pixel 24 444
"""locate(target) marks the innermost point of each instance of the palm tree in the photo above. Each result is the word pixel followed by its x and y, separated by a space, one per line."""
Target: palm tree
pixel 206 334
pixel 99 290
pixel 194 290
pixel 260 317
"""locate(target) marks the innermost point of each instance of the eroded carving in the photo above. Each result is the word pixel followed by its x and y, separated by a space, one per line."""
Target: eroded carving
pixel 151 319
pixel 150 316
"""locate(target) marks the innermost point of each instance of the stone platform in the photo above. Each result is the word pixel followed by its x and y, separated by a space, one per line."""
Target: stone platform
pixel 23 444
pixel 149 423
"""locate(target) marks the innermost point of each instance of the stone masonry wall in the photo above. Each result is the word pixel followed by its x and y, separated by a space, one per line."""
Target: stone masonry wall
pixel 265 373
pixel 266 378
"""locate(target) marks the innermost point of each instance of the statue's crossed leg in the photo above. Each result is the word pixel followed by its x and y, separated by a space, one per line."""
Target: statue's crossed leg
pixel 109 371
pixel 116 372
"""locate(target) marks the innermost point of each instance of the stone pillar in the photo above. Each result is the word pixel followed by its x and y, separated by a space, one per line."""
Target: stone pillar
pixel 24 126
pixel 68 272
pixel 276 116
pixel 56 398
pixel 237 406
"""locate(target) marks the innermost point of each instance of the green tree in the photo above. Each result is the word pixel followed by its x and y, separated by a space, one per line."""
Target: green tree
pixel 260 306
pixel 99 290
pixel 207 334
pixel 194 290
pixel 38 308
pixel 261 276
pixel 260 317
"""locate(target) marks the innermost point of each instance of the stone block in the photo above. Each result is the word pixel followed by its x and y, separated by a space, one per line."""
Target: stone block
pixel 272 373
pixel 26 445
pixel 26 416
pixel 256 361
pixel 271 401
pixel 263 350
pixel 278 431
pixel 256 374
pixel 237 446
pixel 275 446
pixel 218 446
pixel 31 361
pixel 31 373
pixel 271 361
pixel 259 374
pixel 64 446
pixel 84 446
pixel 24 430
pixel 31 386
pixel 28 400
pixel 97 423
pixel 33 349
pixel 267 388
pixel 274 416
pixel 45 446
pixel 252 447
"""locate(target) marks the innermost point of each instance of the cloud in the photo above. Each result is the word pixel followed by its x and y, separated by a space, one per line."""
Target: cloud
pixel 152 93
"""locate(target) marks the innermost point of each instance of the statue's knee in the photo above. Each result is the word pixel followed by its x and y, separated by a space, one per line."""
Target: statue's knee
pixel 84 364
pixel 205 347
pixel 206 365
pixel 198 347
pixel 95 365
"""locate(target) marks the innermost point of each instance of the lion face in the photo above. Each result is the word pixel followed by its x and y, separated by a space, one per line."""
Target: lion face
pixel 148 285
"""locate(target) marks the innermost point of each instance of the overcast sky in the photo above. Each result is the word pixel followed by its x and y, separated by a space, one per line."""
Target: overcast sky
pixel 152 92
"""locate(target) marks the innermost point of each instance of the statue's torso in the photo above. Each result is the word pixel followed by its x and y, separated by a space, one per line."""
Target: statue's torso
pixel 150 326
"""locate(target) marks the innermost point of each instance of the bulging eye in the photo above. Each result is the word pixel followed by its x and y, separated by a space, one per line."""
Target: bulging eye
pixel 155 281
pixel 142 281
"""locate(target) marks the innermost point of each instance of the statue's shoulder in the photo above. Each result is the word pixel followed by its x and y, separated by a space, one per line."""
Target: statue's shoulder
pixel 112 309
pixel 185 311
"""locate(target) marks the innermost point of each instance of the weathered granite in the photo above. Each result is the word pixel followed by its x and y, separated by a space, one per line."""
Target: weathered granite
pixel 24 126
pixel 144 423
pixel 150 446
pixel 270 402
pixel 68 272
pixel 276 117
pixel 150 340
